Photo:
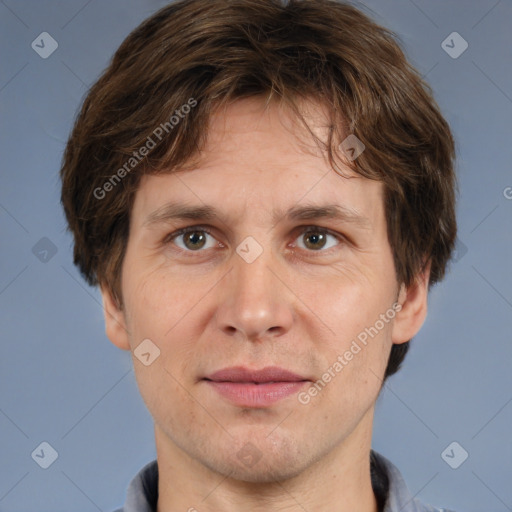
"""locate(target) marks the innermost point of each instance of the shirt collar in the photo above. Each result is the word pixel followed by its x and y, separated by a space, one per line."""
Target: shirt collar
pixel 387 482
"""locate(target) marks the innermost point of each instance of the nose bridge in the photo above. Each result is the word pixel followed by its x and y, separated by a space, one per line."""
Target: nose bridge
pixel 255 303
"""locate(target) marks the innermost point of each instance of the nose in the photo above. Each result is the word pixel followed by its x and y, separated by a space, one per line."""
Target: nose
pixel 255 302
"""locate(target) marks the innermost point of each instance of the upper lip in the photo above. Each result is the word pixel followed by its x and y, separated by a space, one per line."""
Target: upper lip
pixel 267 374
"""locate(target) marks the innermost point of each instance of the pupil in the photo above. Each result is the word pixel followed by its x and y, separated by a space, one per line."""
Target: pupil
pixel 315 239
pixel 195 239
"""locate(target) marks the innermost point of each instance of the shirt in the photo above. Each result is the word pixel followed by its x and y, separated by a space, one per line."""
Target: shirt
pixel 388 485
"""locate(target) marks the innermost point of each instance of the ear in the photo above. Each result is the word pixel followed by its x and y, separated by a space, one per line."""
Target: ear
pixel 115 322
pixel 413 302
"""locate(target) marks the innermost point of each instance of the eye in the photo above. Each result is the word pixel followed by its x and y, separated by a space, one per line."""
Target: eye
pixel 197 238
pixel 192 239
pixel 317 239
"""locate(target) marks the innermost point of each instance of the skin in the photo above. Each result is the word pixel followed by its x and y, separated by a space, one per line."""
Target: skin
pixel 299 306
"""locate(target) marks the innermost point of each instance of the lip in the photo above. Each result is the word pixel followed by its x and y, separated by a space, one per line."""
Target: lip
pixel 264 375
pixel 255 388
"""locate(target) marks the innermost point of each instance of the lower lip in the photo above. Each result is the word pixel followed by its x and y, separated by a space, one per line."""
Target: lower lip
pixel 255 395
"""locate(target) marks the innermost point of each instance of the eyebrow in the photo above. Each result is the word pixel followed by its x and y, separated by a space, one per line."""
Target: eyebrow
pixel 178 211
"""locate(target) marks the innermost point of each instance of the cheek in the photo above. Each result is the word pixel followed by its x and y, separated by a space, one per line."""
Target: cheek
pixel 348 300
pixel 162 313
pixel 360 316
pixel 351 378
pixel 159 301
pixel 163 391
pixel 170 310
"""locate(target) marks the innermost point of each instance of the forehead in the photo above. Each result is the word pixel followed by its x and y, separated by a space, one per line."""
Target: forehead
pixel 258 159
pixel 253 127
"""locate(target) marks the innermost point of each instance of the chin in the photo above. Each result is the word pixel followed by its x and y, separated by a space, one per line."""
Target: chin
pixel 261 461
pixel 261 473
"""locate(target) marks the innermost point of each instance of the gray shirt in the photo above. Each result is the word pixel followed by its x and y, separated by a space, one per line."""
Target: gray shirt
pixel 388 485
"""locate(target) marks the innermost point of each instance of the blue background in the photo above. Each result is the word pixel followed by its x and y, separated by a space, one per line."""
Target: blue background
pixel 63 382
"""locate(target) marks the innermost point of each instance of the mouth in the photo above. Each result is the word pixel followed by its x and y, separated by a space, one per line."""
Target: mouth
pixel 255 388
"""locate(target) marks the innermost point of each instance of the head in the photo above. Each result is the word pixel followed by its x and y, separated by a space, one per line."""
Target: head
pixel 251 108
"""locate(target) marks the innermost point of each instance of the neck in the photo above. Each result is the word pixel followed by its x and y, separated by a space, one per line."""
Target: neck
pixel 338 481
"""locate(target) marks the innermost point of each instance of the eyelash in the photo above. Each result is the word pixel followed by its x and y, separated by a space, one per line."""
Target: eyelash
pixel 305 229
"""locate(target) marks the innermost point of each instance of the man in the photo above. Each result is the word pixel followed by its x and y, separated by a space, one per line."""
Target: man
pixel 264 192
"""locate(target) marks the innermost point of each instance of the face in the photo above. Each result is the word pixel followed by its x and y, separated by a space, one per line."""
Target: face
pixel 267 283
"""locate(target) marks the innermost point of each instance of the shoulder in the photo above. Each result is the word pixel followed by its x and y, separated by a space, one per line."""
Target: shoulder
pixel 398 496
pixel 142 493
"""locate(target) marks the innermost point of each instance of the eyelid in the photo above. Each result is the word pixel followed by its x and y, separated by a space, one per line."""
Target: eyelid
pixel 187 229
pixel 301 229
pixel 319 229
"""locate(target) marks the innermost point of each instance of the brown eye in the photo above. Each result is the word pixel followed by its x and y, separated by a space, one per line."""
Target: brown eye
pixel 192 239
pixel 316 239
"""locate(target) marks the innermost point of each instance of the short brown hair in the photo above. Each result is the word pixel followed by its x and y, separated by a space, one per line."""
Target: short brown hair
pixel 213 52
